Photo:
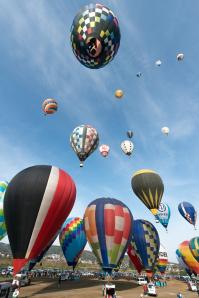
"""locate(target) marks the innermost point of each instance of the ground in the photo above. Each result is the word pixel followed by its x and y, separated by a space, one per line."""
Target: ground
pixel 93 289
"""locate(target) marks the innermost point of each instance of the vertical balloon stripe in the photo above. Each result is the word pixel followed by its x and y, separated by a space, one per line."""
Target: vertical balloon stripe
pixel 101 232
pixel 109 214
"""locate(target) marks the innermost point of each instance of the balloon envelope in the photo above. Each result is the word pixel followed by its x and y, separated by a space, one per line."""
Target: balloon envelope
pixel 119 93
pixel 181 262
pixel 188 257
pixel 37 201
pixel 194 247
pixel 108 227
pixel 163 214
pixel 3 187
pixel 104 150
pixel 72 239
pixel 95 36
pixel 162 259
pixel 188 211
pixel 165 130
pixel 149 188
pixel 84 140
pixel 129 134
pixel 127 147
pixel 147 242
pixel 49 106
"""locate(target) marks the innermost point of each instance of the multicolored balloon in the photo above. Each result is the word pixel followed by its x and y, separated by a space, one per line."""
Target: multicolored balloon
pixel 108 226
pixel 84 140
pixel 104 150
pixel 127 147
pixel 194 247
pixel 148 187
pixel 188 211
pixel 147 242
pixel 3 187
pixel 163 215
pixel 49 106
pixel 72 239
pixel 95 36
pixel 37 201
pixel 134 256
pixel 188 257
pixel 181 262
pixel 162 259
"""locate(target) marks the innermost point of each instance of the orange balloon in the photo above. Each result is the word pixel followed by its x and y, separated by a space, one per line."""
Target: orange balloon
pixel 119 93
pixel 188 257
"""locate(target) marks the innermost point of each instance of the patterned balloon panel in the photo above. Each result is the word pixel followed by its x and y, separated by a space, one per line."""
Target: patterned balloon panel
pixel 162 259
pixel 188 257
pixel 49 106
pixel 147 243
pixel 194 247
pixel 95 36
pixel 72 240
pixel 84 141
pixel 163 214
pixel 108 226
pixel 3 187
pixel 188 211
pixel 134 256
pixel 181 262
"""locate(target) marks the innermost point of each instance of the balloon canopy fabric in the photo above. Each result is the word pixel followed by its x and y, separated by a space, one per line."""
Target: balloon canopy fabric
pixel 165 130
pixel 72 239
pixel 49 106
pixel 181 262
pixel 119 93
pixel 188 211
pixel 129 134
pixel 194 247
pixel 149 188
pixel 108 227
pixel 84 140
pixel 3 187
pixel 134 256
pixel 188 257
pixel 37 201
pixel 162 259
pixel 127 147
pixel 163 214
pixel 146 239
pixel 104 150
pixel 95 36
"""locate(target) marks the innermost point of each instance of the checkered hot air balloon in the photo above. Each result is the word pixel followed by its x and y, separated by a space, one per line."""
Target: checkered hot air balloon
pixel 72 239
pixel 37 201
pixel 108 227
pixel 163 215
pixel 134 256
pixel 148 187
pixel 188 211
pixel 49 106
pixel 188 258
pixel 84 140
pixel 147 243
pixel 194 247
pixel 95 36
pixel 3 187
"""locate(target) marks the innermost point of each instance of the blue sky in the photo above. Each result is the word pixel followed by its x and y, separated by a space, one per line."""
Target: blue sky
pixel 37 62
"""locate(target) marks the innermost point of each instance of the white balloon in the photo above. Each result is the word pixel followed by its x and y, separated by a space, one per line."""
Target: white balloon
pixel 158 62
pixel 127 147
pixel 180 56
pixel 104 150
pixel 165 130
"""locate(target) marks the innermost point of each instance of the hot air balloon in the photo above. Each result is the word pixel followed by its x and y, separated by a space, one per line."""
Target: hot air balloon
pixel 188 211
pixel 146 239
pixel 108 227
pixel 138 74
pixel 104 150
pixel 72 239
pixel 194 247
pixel 188 257
pixel 165 130
pixel 3 187
pixel 180 56
pixel 158 63
pixel 181 262
pixel 38 259
pixel 129 134
pixel 134 256
pixel 127 147
pixel 95 36
pixel 163 214
pixel 162 259
pixel 49 106
pixel 37 201
pixel 84 140
pixel 149 188
pixel 119 94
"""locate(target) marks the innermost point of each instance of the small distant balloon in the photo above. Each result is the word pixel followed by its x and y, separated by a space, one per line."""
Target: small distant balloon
pixel 127 147
pixel 104 150
pixel 180 56
pixel 119 93
pixel 188 211
pixel 158 63
pixel 138 74
pixel 165 130
pixel 49 106
pixel 129 134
